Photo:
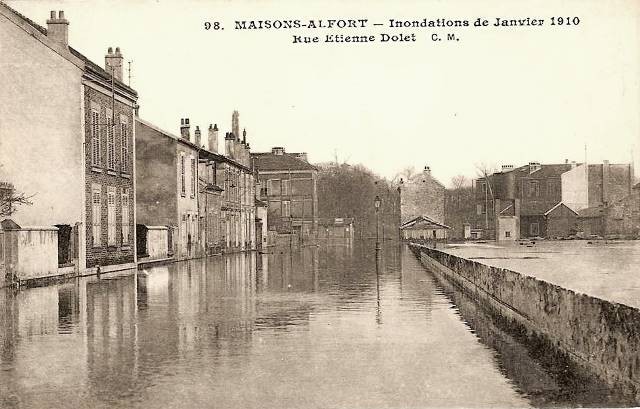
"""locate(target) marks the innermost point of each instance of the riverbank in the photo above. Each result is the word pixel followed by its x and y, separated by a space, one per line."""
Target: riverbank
pixel 596 336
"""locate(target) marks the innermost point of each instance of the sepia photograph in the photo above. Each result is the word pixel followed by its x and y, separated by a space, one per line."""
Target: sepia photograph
pixel 325 204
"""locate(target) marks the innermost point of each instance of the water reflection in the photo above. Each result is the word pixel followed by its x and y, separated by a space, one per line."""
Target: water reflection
pixel 331 326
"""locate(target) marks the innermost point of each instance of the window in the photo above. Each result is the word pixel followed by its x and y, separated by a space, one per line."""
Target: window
pixel 193 177
pixel 551 187
pixel 507 234
pixel 95 138
pixel 111 216
pixel 124 201
pixel 286 208
pixel 534 229
pixel 96 193
pixel 286 187
pixel 274 187
pixel 111 143
pixel 480 209
pixel 182 176
pixel 124 144
pixel 534 188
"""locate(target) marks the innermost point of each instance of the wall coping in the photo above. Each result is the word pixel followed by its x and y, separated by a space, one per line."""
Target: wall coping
pixel 33 228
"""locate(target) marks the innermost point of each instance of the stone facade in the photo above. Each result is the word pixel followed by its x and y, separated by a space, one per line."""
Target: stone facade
pixel 422 195
pixel 600 337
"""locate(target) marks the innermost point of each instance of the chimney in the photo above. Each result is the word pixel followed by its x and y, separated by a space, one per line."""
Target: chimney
pixel 534 166
pixel 58 29
pixel 244 136
pixel 184 128
pixel 213 138
pixel 113 63
pixel 197 136
pixel 427 170
pixel 277 150
pixel 229 145
pixel 235 124
pixel 573 164
pixel 507 168
pixel 303 156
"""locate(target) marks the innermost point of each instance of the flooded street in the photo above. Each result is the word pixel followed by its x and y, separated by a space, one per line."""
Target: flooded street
pixel 317 328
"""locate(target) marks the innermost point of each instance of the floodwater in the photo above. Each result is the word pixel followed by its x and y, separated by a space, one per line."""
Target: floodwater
pixel 328 327
pixel 604 269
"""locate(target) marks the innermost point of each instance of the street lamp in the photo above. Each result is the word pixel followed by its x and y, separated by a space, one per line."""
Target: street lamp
pixel 376 203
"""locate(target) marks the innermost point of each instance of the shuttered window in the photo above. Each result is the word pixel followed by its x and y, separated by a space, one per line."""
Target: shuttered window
pixel 124 145
pixel 111 216
pixel 111 143
pixel 96 214
pixel 95 138
pixel 182 176
pixel 125 215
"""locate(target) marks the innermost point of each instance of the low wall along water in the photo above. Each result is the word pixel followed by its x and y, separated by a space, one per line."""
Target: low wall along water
pixel 599 336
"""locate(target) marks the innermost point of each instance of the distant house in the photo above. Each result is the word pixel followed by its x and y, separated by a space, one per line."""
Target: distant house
pixel 550 196
pixel 620 218
pixel 422 195
pixel 423 228
pixel 289 186
pixel 340 228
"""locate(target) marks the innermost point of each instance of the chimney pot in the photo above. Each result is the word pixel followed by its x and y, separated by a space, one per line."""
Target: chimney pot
pixel 58 29
pixel 113 63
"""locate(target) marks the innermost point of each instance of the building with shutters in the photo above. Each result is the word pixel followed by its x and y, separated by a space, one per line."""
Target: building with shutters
pixel 288 184
pixel 76 118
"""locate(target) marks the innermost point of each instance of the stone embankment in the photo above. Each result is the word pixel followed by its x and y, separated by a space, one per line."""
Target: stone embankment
pixel 600 337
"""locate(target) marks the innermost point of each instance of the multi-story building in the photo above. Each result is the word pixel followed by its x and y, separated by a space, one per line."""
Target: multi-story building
pixel 227 202
pixel 168 186
pixel 76 118
pixel 422 195
pixel 288 183
pixel 544 200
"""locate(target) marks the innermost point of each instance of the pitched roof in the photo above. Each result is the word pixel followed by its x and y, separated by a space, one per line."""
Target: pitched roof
pixel 591 212
pixel 423 222
pixel 558 205
pixel 95 68
pixel 267 161
pixel 535 208
pixel 545 171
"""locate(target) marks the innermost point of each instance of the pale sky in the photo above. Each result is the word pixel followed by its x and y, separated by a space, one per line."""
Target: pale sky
pixel 505 95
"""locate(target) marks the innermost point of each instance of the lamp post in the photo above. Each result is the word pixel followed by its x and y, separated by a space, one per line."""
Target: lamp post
pixel 376 203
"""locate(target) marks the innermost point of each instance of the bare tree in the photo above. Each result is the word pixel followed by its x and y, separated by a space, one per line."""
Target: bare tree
pixel 458 182
pixel 10 199
pixel 484 172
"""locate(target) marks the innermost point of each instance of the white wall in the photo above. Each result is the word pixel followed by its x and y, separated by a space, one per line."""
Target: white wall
pixel 575 193
pixel 40 127
pixel 157 241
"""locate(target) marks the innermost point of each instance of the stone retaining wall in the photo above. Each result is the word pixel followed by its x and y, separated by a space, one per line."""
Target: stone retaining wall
pixel 600 336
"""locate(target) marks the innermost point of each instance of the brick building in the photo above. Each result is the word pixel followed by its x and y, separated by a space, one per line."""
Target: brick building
pixel 526 194
pixel 76 118
pixel 288 183
pixel 551 196
pixel 422 195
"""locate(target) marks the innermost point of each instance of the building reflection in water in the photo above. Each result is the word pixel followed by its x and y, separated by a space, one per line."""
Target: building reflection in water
pixel 124 340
